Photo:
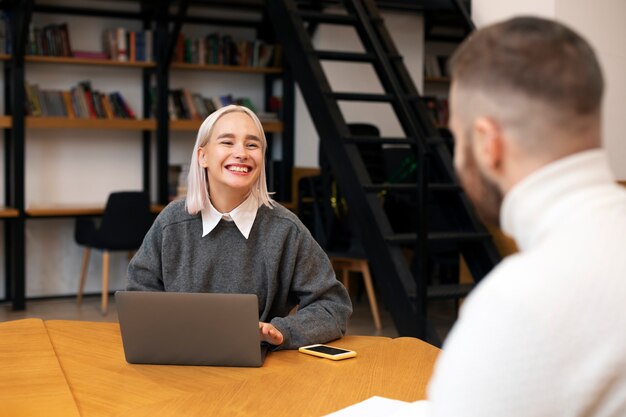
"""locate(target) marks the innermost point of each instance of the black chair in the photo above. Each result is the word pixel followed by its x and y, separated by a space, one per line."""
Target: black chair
pixel 125 222
pixel 327 215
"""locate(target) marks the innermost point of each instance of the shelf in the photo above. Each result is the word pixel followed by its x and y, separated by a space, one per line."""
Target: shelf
pixel 66 123
pixel 441 80
pixel 8 212
pixel 226 68
pixel 268 127
pixel 5 122
pixel 139 64
pixel 86 61
pixel 70 210
pixel 272 127
pixel 34 122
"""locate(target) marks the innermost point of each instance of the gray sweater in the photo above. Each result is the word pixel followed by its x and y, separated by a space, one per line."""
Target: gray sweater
pixel 280 262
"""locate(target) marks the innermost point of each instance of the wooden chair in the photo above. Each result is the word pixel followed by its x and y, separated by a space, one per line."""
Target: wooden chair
pixel 344 258
pixel 125 222
pixel 349 264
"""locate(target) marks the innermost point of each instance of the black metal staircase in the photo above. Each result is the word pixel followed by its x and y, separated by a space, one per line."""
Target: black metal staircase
pixel 404 285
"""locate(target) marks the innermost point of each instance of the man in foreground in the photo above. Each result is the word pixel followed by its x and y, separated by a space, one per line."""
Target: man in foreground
pixel 544 334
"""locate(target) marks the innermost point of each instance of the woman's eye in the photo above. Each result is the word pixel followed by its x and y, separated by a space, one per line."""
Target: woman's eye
pixel 226 142
pixel 253 145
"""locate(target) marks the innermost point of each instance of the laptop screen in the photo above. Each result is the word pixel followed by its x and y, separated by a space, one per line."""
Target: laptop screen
pixel 172 328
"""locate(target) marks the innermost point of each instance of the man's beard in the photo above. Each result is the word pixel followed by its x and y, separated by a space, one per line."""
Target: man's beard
pixel 484 194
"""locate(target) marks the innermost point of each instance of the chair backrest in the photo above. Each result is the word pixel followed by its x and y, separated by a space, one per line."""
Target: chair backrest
pixel 126 220
pixel 330 222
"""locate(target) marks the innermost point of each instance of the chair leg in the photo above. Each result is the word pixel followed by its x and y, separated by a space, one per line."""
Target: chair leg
pixel 369 287
pixel 345 279
pixel 83 275
pixel 105 281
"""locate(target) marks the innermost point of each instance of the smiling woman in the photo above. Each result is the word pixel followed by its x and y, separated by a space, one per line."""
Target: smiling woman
pixel 238 144
pixel 233 160
pixel 229 236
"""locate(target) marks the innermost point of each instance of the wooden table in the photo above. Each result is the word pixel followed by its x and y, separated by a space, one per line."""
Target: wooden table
pixel 72 368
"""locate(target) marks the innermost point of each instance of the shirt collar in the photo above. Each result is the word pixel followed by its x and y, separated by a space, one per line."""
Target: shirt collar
pixel 243 216
pixel 552 194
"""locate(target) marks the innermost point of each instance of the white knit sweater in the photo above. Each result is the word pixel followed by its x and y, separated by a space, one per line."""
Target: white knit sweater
pixel 545 333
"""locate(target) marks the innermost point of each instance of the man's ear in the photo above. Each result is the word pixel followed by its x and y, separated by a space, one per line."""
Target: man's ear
pixel 488 145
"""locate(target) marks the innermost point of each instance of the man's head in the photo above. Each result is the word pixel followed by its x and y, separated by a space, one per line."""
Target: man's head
pixel 525 92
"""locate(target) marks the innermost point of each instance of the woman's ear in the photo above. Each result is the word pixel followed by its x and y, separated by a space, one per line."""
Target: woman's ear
pixel 202 157
pixel 488 146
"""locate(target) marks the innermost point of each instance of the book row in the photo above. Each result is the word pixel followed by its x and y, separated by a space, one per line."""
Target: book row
pixel 216 49
pixel 185 105
pixel 121 44
pixel 81 102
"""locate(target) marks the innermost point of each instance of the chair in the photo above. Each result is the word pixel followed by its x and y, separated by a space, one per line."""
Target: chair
pixel 125 222
pixel 327 217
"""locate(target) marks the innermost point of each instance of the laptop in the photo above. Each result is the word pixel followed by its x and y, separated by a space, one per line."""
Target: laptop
pixel 173 328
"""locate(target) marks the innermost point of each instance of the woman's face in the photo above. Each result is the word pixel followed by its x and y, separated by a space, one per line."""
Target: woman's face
pixel 233 155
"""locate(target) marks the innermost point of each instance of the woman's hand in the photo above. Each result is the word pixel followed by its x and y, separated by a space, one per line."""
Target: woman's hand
pixel 270 334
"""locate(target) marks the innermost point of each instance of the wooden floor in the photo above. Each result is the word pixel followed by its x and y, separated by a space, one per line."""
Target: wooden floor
pixel 441 313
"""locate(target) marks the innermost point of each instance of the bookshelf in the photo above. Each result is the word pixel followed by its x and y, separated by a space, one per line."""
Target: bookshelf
pixel 5 122
pixel 8 212
pixel 226 68
pixel 35 122
pixel 194 125
pixel 69 210
pixel 23 132
pixel 85 61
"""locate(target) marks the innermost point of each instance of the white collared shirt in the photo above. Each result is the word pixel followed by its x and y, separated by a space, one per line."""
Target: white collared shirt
pixel 243 215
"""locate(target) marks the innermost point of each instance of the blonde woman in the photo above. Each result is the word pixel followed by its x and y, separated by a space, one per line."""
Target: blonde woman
pixel 229 236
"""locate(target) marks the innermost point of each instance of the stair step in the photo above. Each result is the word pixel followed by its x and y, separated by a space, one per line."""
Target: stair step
pixel 378 139
pixel 410 187
pixel 439 292
pixel 456 237
pixel 437 140
pixel 433 141
pixel 346 56
pixel 333 19
pixel 363 97
pixel 351 56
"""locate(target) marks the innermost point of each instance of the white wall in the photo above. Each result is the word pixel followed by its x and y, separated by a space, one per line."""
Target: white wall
pixel 601 23
pixel 407 32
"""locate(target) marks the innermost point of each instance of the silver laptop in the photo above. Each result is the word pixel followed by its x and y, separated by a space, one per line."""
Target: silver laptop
pixel 172 328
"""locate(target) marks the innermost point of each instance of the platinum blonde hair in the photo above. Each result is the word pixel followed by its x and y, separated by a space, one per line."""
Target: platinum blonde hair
pixel 197 180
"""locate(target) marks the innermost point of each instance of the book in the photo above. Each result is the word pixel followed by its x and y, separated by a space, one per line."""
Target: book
pixel 132 52
pixel 121 43
pixel 109 43
pixel 67 102
pixel 86 89
pixel 106 105
pixel 64 35
pixel 128 111
pixel 193 112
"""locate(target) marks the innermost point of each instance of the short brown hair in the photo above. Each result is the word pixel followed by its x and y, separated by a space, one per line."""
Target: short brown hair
pixel 532 58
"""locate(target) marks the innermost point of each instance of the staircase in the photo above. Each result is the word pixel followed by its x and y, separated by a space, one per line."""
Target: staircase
pixel 401 259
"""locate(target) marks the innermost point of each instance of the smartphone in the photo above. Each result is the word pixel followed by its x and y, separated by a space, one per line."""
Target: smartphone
pixel 328 352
